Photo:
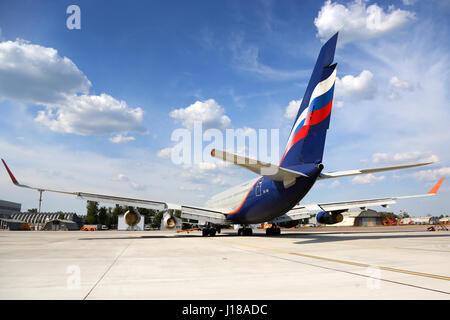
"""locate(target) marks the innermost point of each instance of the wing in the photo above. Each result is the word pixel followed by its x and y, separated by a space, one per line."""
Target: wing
pixel 304 211
pixel 384 202
pixel 346 173
pixel 296 213
pixel 187 212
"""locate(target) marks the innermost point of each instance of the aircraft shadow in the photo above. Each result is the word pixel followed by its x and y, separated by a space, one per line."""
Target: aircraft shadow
pixel 306 237
pixel 311 238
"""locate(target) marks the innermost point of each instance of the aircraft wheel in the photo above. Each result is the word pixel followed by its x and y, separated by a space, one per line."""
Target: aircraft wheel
pixel 240 232
pixel 212 232
pixel 205 232
pixel 248 232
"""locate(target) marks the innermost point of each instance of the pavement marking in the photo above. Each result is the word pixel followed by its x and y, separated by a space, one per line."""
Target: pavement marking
pixel 344 271
pixel 343 261
pixel 389 247
pixel 107 270
pixel 375 246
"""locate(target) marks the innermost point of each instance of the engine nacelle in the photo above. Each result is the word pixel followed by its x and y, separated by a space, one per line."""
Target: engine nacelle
pixel 332 217
pixel 168 221
pixel 132 218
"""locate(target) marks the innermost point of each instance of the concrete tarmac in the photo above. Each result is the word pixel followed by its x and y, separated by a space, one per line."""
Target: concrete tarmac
pixel 325 263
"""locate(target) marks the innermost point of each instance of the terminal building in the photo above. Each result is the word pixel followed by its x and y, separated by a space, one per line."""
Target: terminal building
pixel 60 225
pixel 7 208
pixel 39 221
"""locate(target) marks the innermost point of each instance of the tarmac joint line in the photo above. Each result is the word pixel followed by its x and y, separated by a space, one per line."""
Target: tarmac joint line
pixel 107 270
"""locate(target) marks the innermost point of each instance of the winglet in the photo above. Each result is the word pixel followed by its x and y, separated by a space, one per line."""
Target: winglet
pixel 14 180
pixel 436 187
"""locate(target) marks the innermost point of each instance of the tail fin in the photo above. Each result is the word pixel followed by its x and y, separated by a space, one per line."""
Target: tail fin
pixel 307 139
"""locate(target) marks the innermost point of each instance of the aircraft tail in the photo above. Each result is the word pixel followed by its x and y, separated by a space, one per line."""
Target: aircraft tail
pixel 307 139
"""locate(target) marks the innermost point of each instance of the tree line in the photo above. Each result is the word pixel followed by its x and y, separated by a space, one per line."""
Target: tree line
pixel 109 216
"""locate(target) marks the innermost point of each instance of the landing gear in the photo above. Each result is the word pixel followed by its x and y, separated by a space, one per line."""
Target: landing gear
pixel 208 232
pixel 273 231
pixel 245 232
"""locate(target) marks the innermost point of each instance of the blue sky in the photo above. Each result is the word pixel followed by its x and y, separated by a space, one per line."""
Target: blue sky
pixel 91 109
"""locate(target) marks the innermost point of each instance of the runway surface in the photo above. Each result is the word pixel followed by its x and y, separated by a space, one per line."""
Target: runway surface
pixel 329 263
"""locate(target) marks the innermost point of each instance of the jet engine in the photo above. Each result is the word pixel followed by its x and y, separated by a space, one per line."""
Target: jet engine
pixel 132 217
pixel 168 220
pixel 332 217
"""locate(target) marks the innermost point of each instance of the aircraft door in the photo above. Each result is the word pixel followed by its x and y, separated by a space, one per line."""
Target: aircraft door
pixel 258 187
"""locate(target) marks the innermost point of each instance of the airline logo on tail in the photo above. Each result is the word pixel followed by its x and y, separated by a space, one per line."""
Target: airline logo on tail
pixel 319 109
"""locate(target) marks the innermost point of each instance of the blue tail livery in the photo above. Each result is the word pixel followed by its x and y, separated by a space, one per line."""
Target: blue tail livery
pixel 307 139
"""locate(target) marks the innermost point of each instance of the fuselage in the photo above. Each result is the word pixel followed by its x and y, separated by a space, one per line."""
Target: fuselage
pixel 262 199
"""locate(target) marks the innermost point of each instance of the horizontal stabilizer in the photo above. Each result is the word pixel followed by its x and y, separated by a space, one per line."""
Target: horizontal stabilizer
pixel 354 172
pixel 264 169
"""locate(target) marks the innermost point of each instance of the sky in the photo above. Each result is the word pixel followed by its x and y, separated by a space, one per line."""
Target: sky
pixel 94 109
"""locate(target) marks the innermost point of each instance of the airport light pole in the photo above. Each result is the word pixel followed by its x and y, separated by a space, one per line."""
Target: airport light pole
pixel 40 200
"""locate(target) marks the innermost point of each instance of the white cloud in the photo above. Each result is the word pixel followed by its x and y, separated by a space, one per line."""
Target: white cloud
pixel 34 74
pixel 428 175
pixel 409 2
pixel 405 157
pixel 164 153
pixel 133 185
pixel 334 184
pixel 190 188
pixel 206 166
pixel 400 84
pixel 246 57
pixel 339 104
pixel 361 87
pixel 292 109
pixel 393 95
pixel 120 138
pixel 367 179
pixel 121 177
pixel 207 173
pixel 356 21
pixel 137 186
pixel 91 115
pixel 209 113
pixel 218 181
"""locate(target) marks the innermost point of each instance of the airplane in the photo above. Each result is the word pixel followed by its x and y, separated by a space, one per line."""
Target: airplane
pixel 274 196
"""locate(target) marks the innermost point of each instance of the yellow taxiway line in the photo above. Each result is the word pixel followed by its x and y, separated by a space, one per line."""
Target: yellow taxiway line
pixel 342 261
